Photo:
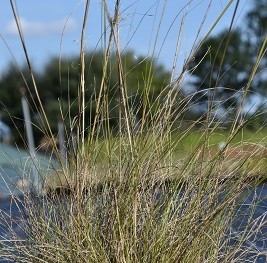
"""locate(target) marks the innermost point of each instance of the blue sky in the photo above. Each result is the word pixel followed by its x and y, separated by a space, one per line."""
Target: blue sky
pixel 53 27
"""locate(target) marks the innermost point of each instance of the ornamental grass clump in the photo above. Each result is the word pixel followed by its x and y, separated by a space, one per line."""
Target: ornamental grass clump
pixel 128 192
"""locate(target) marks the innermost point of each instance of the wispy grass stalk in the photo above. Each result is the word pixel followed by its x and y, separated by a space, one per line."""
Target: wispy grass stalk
pixel 130 197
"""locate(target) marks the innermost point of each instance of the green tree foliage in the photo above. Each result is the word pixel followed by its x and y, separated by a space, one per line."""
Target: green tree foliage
pixel 59 84
pixel 222 66
pixel 221 69
pixel 257 20
pixel 10 97
pixel 59 88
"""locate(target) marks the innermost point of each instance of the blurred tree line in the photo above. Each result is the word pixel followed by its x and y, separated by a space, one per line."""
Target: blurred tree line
pixel 222 66
pixel 219 74
pixel 59 86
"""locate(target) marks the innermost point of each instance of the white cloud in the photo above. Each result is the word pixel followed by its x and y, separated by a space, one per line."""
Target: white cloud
pixel 34 28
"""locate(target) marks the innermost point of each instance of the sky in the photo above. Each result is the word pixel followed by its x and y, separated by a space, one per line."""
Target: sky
pixel 53 27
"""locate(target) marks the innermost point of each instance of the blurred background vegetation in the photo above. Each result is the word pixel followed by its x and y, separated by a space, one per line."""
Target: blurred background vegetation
pixel 218 72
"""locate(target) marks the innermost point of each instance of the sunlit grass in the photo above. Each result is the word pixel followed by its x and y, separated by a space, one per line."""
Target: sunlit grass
pixel 148 194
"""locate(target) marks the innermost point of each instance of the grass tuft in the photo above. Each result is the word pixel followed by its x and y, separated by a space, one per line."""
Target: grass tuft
pixel 152 190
